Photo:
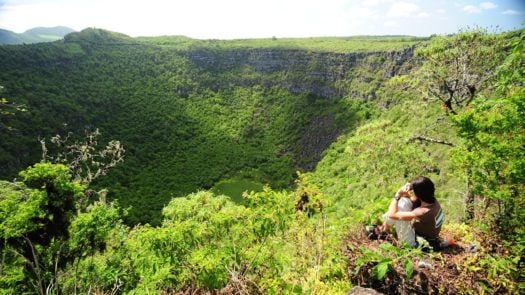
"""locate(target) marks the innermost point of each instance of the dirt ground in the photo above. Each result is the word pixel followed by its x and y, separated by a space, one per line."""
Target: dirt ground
pixel 455 270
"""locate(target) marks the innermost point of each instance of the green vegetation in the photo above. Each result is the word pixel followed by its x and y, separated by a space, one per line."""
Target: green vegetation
pixel 234 188
pixel 322 44
pixel 35 223
pixel 185 124
pixel 251 168
pixel 492 133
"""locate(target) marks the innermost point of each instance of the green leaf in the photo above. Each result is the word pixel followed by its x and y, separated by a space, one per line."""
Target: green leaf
pixel 381 269
pixel 386 246
pixel 409 268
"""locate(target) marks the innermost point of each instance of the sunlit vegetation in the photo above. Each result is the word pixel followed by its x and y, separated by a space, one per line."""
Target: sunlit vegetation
pixel 244 176
pixel 185 125
pixel 322 44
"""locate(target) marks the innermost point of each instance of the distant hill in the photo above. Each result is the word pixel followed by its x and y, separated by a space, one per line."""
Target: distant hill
pixel 8 37
pixel 34 35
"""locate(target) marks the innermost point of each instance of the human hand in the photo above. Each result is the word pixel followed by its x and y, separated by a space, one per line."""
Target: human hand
pixel 403 191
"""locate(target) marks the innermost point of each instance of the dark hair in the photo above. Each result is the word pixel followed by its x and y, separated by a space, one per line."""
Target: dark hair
pixel 424 189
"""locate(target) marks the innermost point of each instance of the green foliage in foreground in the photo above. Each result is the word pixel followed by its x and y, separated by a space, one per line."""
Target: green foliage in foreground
pixel 34 221
pixel 44 227
pixel 493 136
pixel 393 269
pixel 207 242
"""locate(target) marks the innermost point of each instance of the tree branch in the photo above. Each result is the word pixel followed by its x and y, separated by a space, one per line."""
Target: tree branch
pixel 428 139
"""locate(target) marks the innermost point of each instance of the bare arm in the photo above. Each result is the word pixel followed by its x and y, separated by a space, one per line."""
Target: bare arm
pixel 393 208
pixel 392 213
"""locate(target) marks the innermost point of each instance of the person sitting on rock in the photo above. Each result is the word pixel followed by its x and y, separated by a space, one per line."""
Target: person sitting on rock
pixel 426 217
pixel 404 230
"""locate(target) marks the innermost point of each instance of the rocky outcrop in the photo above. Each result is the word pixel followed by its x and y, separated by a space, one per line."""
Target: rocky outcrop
pixel 319 75
pixel 299 71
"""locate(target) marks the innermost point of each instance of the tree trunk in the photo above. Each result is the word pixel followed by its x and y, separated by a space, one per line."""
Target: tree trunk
pixel 4 250
pixel 448 106
pixel 469 201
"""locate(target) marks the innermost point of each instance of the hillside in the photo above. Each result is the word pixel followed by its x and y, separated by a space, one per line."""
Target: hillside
pixel 253 166
pixel 191 116
pixel 34 35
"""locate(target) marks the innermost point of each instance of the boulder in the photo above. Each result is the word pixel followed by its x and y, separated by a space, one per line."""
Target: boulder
pixel 362 291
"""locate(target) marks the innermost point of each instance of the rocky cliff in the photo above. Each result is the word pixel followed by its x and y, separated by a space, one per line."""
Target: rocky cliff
pixel 321 74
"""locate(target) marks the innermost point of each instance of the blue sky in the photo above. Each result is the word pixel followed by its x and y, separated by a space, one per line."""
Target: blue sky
pixel 227 19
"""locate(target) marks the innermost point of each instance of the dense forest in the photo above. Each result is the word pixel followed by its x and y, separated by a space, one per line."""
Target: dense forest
pixel 175 165
pixel 188 115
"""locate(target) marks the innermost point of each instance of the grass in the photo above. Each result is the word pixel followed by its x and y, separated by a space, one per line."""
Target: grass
pixel 234 188
pixel 318 44
pixel 363 169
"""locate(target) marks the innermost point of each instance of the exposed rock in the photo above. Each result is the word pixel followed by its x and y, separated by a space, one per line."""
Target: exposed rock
pixel 324 75
pixel 362 291
pixel 307 72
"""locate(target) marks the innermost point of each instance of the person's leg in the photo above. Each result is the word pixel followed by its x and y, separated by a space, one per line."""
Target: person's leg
pixel 387 224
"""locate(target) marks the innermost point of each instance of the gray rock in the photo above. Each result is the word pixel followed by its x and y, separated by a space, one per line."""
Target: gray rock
pixel 308 72
pixel 362 291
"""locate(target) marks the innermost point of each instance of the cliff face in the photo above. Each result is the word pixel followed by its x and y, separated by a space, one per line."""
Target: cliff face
pixel 321 74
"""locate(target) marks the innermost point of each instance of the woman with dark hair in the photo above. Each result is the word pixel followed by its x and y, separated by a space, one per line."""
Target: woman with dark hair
pixel 427 216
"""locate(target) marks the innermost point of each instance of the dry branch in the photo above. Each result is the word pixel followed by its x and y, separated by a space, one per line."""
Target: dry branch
pixel 428 139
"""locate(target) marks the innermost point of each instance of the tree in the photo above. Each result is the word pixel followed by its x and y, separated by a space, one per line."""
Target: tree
pixel 34 222
pixel 8 109
pixel 493 136
pixel 455 71
pixel 456 68
pixel 85 160
pixel 46 220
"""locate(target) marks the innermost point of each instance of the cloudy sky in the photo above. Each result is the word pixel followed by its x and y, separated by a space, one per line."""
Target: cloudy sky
pixel 226 19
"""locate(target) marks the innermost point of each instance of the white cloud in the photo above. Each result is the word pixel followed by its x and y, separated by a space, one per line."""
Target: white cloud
pixel 471 9
pixel 403 9
pixel 511 12
pixel 227 19
pixel 371 3
pixel 391 24
pixel 361 13
pixel 487 5
pixel 477 9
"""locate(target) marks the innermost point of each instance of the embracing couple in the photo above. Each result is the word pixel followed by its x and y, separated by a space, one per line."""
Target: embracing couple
pixel 415 212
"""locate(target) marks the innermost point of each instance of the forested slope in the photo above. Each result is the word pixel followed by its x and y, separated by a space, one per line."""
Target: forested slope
pixel 198 118
pixel 191 113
